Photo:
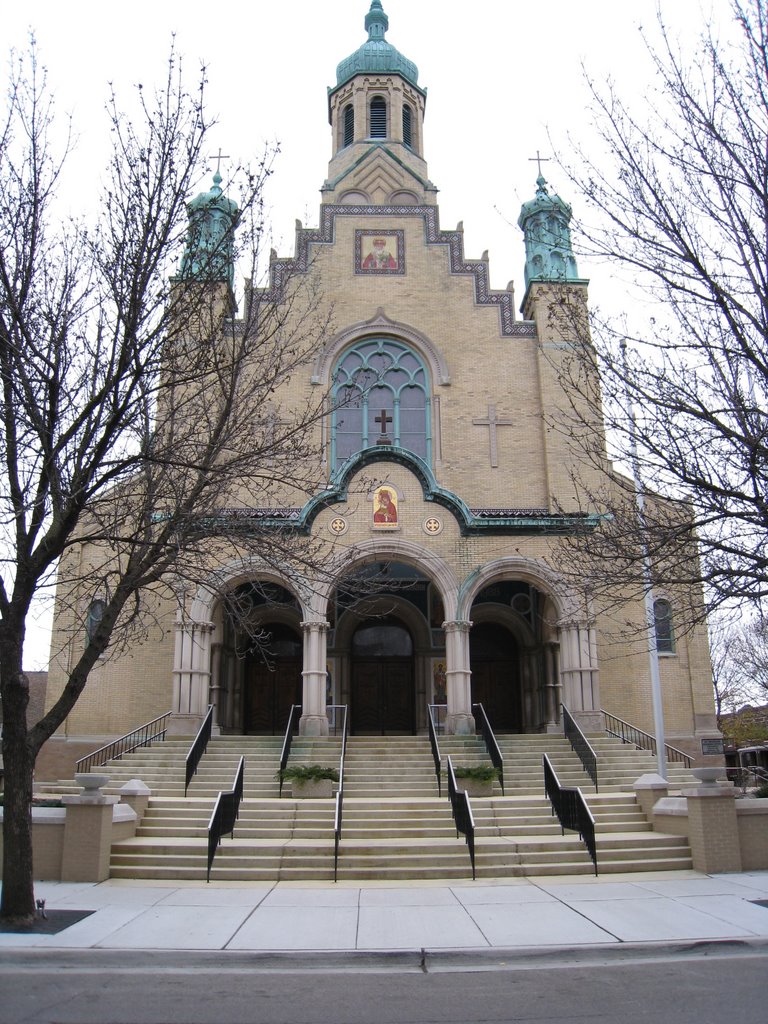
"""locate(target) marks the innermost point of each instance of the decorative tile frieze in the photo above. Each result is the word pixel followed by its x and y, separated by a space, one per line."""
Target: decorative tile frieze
pixel 283 269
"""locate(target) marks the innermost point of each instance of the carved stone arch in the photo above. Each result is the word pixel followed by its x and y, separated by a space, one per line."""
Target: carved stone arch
pixel 389 548
pixel 566 601
pixel 355 197
pixel 403 197
pixel 401 609
pixel 504 616
pixel 377 326
pixel 208 595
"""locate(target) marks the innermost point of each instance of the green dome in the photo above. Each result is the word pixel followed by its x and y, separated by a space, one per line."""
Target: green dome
pixel 376 55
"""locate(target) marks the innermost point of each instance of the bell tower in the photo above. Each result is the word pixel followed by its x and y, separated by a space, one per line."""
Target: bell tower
pixel 376 112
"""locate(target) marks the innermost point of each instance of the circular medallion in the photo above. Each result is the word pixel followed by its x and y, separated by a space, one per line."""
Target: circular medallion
pixel 338 525
pixel 433 526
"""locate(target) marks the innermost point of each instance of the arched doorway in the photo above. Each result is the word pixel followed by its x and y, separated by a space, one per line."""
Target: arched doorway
pixel 495 665
pixel 382 692
pixel 272 679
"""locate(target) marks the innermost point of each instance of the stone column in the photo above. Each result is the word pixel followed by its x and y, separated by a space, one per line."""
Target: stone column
pixel 314 719
pixel 459 718
pixel 578 673
pixel 217 691
pixel 191 676
pixel 553 687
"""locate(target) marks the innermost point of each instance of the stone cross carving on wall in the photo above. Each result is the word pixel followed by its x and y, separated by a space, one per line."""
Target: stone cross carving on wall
pixel 492 422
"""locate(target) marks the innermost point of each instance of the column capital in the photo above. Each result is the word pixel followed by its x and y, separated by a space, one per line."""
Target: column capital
pixel 457 626
pixel 315 625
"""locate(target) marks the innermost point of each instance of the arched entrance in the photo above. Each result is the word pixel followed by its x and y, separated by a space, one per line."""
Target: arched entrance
pixel 272 678
pixel 382 691
pixel 495 664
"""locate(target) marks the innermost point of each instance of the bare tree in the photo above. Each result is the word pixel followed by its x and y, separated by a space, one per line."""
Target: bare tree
pixel 131 399
pixel 679 195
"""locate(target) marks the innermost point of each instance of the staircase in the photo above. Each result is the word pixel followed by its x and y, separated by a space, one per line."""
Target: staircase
pixel 395 825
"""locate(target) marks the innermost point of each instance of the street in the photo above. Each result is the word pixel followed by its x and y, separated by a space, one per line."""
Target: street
pixel 708 984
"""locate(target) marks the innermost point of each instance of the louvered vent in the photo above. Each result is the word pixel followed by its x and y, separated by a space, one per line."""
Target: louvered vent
pixel 407 126
pixel 349 125
pixel 378 118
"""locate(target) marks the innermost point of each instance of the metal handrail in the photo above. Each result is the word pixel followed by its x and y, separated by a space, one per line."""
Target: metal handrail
pixel 285 753
pixel 739 775
pixel 144 736
pixel 439 715
pixel 339 797
pixel 198 748
pixel 571 809
pixel 490 743
pixel 333 716
pixel 434 745
pixel 643 740
pixel 226 811
pixel 580 744
pixel 461 809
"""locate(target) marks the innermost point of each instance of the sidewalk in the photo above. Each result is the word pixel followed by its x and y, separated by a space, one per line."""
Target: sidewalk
pixel 531 913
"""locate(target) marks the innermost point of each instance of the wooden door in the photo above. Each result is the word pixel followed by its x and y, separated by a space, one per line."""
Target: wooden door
pixel 382 697
pixel 495 676
pixel 269 693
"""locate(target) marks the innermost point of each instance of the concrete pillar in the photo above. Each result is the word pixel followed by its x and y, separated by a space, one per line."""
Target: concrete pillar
pixel 87 837
pixel 713 829
pixel 314 719
pixel 136 794
pixel 459 718
pixel 649 789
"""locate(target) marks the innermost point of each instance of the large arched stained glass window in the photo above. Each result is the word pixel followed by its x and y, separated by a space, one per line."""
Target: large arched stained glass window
pixel 381 398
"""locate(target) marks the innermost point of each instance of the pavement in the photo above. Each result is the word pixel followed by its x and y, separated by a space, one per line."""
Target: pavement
pixel 535 914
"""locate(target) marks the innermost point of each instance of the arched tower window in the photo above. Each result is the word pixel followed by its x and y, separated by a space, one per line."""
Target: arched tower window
pixel 380 396
pixel 378 118
pixel 662 615
pixel 93 617
pixel 407 126
pixel 349 125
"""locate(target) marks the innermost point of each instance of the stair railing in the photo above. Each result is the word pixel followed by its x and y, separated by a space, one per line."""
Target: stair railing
pixel 339 796
pixel 434 745
pixel 336 714
pixel 439 714
pixel 491 745
pixel 461 809
pixel 643 740
pixel 580 745
pixel 144 736
pixel 285 753
pixel 571 809
pixel 198 748
pixel 226 811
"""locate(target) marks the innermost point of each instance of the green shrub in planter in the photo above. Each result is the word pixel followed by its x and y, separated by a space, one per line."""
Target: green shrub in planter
pixel 762 791
pixel 308 773
pixel 476 772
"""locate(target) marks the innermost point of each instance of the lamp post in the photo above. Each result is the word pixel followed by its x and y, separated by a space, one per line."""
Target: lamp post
pixel 650 618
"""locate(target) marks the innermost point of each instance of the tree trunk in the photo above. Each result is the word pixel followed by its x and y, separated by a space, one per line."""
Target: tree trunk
pixel 18 897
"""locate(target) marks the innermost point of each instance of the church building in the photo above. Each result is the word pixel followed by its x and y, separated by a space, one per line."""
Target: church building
pixel 445 481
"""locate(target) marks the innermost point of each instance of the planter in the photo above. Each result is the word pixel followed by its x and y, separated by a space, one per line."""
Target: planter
pixel 91 781
pixel 476 787
pixel 315 789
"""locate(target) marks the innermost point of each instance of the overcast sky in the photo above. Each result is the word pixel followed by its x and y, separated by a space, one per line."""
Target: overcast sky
pixel 505 78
